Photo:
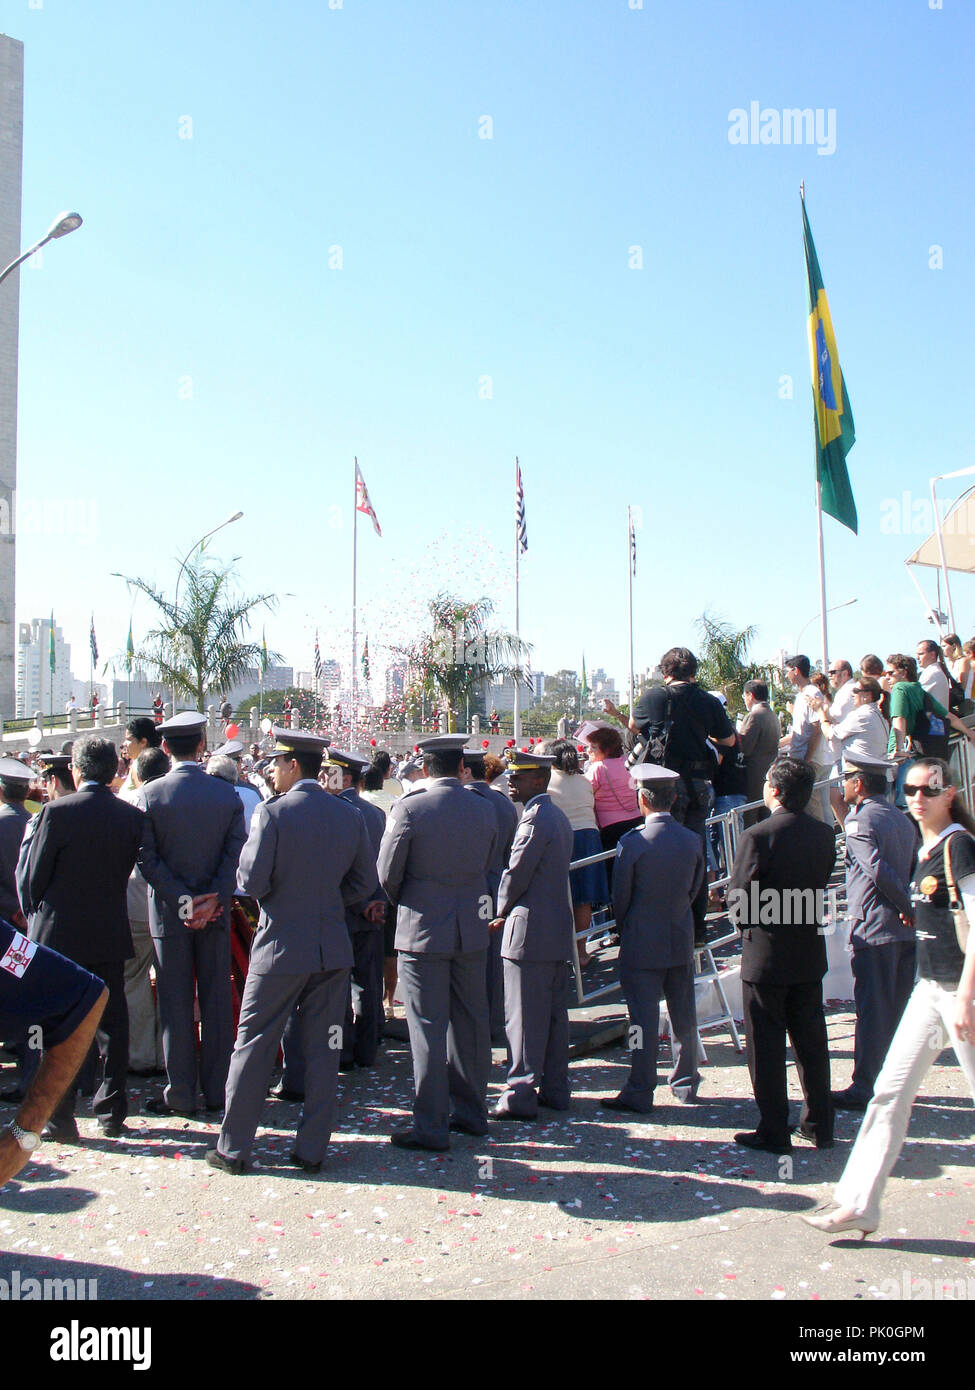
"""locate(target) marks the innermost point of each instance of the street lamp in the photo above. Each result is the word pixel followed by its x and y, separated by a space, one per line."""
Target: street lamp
pixel 236 517
pixel 66 222
pixel 834 609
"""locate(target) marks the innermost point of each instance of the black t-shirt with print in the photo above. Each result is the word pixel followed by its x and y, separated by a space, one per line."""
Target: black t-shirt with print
pixel 939 957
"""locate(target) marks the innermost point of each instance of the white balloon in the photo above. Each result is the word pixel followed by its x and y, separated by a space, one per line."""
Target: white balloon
pixel 34 736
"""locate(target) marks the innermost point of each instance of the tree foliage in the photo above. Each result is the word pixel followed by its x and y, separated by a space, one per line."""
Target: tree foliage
pixel 452 661
pixel 722 663
pixel 200 647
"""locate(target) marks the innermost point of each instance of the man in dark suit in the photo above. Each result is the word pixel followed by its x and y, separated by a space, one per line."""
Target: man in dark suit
pixel 535 911
pixel 194 832
pixel 474 777
pixel 776 899
pixel 78 866
pixel 307 859
pixel 15 780
pixel 433 864
pixel 760 733
pixel 656 880
pixel 881 844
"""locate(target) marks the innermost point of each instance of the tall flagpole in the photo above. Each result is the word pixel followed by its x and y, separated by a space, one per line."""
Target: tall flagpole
pixel 629 570
pixel 517 704
pixel 819 517
pixel 355 541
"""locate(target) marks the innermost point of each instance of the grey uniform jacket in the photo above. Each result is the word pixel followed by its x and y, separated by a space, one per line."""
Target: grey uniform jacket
pixel 657 875
pixel 375 821
pixel 433 865
pixel 881 844
pixel 534 892
pixel 307 858
pixel 13 822
pixel 507 819
pixel 193 835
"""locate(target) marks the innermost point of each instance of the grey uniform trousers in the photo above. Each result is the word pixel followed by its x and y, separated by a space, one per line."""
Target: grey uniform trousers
pixel 145 1041
pixel 204 954
pixel 643 990
pixel 883 978
pixel 264 1010
pixel 447 1018
pixel 536 1020
pixel 364 1026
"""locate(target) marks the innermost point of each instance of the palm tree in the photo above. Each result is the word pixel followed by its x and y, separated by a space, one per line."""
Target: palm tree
pixel 199 648
pixel 723 663
pixel 458 654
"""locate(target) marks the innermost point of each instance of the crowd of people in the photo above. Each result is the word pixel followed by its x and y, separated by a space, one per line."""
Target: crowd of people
pixel 285 897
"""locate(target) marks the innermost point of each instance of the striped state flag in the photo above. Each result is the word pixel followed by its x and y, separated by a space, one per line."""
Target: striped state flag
pixel 94 644
pixel 318 661
pixel 520 523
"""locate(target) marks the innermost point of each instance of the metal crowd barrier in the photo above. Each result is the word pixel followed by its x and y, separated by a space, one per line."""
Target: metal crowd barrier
pixel 729 824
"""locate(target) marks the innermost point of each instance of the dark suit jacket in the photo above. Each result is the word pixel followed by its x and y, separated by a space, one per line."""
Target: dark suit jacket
pixel 760 733
pixel 14 819
pixel 782 867
pixel 78 867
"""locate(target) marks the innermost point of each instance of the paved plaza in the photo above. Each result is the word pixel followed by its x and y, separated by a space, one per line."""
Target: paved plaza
pixel 590 1205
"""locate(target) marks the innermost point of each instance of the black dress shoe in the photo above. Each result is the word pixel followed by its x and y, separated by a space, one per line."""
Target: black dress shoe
pixel 144 1073
pixel 547 1105
pixel 406 1139
pixel 811 1138
pixel 61 1134
pixel 280 1092
pixel 111 1129
pixel 304 1163
pixel 843 1100
pixel 159 1107
pixel 347 1066
pixel 462 1127
pixel 753 1140
pixel 617 1103
pixel 226 1165
pixel 498 1114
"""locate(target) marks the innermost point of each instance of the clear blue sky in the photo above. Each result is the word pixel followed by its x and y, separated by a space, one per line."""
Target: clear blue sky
pixel 203 268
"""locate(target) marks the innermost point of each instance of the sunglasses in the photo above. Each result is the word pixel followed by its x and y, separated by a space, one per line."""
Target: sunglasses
pixel 912 789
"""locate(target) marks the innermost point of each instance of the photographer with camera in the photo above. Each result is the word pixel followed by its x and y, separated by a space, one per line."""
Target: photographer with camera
pixel 672 723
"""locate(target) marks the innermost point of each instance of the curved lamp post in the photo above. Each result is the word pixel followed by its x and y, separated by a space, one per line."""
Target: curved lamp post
pixel 834 609
pixel 66 222
pixel 179 575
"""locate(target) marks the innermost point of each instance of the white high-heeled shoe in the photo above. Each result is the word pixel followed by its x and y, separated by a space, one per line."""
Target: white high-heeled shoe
pixel 833 1223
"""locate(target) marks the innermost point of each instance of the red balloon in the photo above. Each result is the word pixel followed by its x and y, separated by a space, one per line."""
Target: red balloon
pixel 372 742
pixel 485 743
pixel 232 731
pixel 581 747
pixel 524 748
pixel 531 743
pixel 510 743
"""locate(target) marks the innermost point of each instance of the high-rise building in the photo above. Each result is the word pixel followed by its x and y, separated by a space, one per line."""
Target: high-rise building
pixel 34 675
pixel 11 164
pixel 395 680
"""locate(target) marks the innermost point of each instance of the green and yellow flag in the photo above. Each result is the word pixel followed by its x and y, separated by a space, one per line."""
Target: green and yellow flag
pixel 835 433
pixel 51 655
pixel 129 650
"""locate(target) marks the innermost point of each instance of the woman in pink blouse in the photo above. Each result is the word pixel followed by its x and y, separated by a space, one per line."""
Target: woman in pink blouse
pixel 614 796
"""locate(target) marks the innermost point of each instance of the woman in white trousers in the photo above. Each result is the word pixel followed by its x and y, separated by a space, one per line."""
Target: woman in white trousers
pixel 940 1010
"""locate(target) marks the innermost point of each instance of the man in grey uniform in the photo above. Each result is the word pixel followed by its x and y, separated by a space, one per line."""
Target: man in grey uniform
pixel 363 1028
pixel 194 832
pixel 307 858
pixel 658 873
pixel 535 911
pixel 881 843
pixel 474 778
pixel 433 865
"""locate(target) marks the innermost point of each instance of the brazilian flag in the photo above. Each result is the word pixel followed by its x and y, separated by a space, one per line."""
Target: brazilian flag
pixel 835 433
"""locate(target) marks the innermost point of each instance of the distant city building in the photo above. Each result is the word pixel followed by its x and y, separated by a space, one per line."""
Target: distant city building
pixel 395 681
pixel 34 677
pixel 502 697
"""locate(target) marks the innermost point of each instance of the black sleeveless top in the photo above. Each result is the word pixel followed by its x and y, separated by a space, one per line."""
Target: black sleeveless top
pixel 939 957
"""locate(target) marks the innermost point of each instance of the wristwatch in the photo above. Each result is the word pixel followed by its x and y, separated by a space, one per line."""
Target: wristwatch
pixel 26 1138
